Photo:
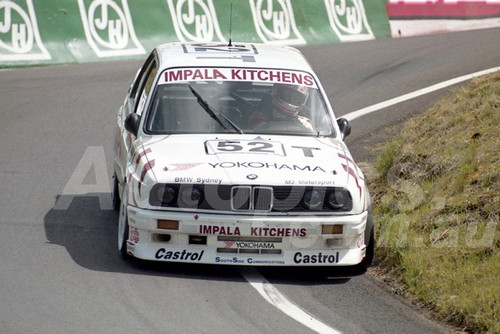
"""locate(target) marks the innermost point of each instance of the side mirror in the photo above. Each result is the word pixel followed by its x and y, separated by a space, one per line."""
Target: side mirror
pixel 345 127
pixel 132 123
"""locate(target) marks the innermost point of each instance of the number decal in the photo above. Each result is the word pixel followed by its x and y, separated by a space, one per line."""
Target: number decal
pixel 229 146
pixel 243 53
pixel 244 146
pixel 260 147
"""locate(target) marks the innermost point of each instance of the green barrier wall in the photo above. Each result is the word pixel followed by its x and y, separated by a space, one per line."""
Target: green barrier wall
pixel 64 31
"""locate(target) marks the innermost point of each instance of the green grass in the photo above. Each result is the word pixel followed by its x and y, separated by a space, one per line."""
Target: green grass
pixel 437 207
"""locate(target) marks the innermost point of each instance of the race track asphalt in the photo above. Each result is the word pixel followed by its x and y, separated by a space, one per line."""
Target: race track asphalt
pixel 60 271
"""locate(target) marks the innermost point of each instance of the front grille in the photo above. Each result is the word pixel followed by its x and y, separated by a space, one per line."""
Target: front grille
pixel 247 198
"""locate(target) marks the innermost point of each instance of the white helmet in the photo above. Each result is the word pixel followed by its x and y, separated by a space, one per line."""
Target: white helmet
pixel 288 99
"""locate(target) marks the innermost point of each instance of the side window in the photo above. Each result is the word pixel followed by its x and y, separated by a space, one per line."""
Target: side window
pixel 144 83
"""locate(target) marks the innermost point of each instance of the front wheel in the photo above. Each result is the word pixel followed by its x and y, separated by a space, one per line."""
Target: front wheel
pixel 123 227
pixel 116 194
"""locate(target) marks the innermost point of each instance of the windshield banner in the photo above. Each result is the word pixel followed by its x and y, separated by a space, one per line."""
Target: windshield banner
pixel 238 74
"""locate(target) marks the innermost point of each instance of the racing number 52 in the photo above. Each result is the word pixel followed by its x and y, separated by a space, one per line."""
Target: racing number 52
pixel 237 146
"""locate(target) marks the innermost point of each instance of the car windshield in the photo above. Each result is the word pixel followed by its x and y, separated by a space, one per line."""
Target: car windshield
pixel 208 100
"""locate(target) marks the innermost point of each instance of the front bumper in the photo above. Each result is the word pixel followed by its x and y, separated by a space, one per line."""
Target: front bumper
pixel 246 240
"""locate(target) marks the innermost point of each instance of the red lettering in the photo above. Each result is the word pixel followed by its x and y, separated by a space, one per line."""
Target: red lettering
pixel 297 78
pixel 187 73
pixel 274 76
pixel 261 77
pixel 235 74
pixel 285 77
pixel 173 76
pixel 197 75
pixel 252 74
pixel 218 75
pixel 308 80
pixel 303 232
pixel 207 74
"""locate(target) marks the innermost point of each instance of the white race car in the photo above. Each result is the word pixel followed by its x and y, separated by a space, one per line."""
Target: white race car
pixel 231 154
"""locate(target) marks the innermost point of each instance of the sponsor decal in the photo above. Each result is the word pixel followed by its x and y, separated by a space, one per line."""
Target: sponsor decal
pixel 255 231
pixel 260 262
pixel 249 244
pixel 184 255
pixel 219 230
pixel 266 165
pixel 361 240
pixel 218 259
pixel 109 29
pixel 19 34
pixel 348 20
pixel 195 21
pixel 278 231
pixel 133 235
pixel 238 74
pixel 316 258
pixel 198 180
pixel 310 182
pixel 275 22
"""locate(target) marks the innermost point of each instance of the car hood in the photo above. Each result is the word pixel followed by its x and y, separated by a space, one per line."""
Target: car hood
pixel 251 160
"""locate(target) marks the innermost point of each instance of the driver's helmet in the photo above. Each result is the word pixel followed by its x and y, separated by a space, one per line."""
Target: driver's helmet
pixel 288 99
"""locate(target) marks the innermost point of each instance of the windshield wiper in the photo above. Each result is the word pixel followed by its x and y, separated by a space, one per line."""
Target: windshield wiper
pixel 214 113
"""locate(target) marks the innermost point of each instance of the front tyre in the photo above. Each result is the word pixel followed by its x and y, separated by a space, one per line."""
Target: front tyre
pixel 123 228
pixel 116 194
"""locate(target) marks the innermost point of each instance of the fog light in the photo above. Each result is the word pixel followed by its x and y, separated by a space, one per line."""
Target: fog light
pixel 197 240
pixel 161 237
pixel 334 242
pixel 332 229
pixel 165 224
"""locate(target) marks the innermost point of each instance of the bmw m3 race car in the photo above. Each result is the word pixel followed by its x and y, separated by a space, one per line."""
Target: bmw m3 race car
pixel 231 154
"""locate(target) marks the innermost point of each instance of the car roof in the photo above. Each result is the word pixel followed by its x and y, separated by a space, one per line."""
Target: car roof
pixel 251 55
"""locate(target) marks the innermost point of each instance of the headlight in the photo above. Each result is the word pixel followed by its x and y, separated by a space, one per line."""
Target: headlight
pixel 338 198
pixel 312 200
pixel 190 196
pixel 166 195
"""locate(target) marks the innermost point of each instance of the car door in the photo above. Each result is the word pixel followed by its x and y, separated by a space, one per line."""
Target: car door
pixel 134 103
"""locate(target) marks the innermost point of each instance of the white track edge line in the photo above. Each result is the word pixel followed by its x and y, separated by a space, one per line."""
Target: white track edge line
pixel 364 111
pixel 275 298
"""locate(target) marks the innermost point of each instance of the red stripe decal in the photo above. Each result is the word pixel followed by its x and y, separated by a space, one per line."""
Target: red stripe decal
pixel 353 174
pixel 147 167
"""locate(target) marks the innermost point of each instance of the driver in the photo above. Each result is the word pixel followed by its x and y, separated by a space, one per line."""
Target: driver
pixel 283 105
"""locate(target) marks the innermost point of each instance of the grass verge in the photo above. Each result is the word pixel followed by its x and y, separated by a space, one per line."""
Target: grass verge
pixel 437 206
